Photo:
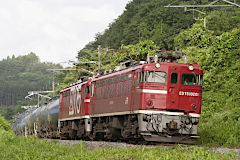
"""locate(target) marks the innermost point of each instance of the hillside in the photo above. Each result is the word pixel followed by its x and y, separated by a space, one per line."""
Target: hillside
pixel 144 20
pixel 150 20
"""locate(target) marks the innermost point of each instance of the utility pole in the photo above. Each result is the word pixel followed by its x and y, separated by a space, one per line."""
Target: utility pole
pixel 38 104
pixel 161 25
pixel 53 85
pixel 196 19
pixel 99 59
pixel 38 93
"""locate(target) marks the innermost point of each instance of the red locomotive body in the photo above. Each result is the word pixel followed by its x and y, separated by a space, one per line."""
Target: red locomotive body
pixel 155 101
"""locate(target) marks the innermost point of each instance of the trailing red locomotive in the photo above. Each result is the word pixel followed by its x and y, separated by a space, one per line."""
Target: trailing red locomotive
pixel 157 101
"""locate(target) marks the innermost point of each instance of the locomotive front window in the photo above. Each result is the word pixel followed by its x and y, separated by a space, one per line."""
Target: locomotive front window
pixel 87 89
pixel 174 78
pixel 192 79
pixel 154 77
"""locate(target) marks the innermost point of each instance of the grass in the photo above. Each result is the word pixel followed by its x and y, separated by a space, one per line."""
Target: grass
pixel 13 147
pixel 29 148
pixel 220 121
pixel 221 129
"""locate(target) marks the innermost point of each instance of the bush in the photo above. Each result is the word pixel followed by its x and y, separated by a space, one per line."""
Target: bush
pixel 4 125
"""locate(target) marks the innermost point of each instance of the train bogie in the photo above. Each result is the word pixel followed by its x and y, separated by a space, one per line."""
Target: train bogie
pixel 168 127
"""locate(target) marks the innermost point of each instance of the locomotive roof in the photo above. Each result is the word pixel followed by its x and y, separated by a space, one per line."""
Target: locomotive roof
pixel 126 70
pixel 144 66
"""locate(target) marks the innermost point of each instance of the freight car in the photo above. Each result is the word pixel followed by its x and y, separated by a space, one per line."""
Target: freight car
pixel 42 122
pixel 155 101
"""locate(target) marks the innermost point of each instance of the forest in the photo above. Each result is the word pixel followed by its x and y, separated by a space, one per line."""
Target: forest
pixel 19 75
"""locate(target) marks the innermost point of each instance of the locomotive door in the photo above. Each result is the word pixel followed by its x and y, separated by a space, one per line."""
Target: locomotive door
pixel 92 98
pixel 83 105
pixel 173 88
pixel 135 94
pixel 87 98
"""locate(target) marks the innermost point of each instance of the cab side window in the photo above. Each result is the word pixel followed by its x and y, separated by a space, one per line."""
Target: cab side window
pixel 92 90
pixel 138 78
pixel 87 90
pixel 174 78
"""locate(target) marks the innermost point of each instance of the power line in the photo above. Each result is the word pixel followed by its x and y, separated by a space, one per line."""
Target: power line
pixel 212 4
pixel 38 93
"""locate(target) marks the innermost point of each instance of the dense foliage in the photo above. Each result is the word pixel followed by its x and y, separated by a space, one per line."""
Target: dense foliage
pixel 9 112
pixel 112 58
pixel 4 125
pixel 19 75
pixel 150 20
pixel 144 20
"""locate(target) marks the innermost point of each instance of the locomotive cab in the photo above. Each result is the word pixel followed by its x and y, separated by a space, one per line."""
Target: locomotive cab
pixel 171 87
pixel 153 87
pixel 170 108
pixel 184 88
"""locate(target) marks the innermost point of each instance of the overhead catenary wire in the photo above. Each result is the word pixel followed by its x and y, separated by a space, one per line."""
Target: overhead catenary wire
pixel 212 4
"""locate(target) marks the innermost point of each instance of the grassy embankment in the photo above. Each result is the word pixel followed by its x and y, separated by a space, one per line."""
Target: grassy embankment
pixel 14 147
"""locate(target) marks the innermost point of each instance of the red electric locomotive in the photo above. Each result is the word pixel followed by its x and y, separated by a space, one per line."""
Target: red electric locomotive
pixel 158 101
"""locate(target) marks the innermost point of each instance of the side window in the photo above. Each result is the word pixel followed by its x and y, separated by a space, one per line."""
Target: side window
pixel 127 87
pixel 92 90
pixel 138 79
pixel 87 90
pixel 174 78
pixel 121 89
pixel 105 91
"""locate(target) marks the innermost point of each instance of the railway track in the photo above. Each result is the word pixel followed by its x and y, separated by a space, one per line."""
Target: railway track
pixel 91 145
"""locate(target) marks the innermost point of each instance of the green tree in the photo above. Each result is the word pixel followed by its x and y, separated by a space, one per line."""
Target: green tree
pixel 19 75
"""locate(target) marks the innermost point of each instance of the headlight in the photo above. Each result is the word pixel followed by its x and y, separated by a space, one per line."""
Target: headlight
pixel 157 65
pixel 190 67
